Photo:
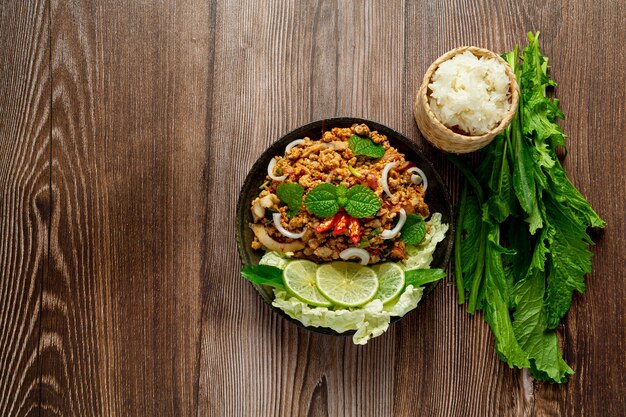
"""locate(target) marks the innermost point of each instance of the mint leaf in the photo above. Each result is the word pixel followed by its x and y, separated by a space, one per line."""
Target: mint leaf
pixel 291 195
pixel 341 195
pixel 364 146
pixel 421 277
pixel 264 275
pixel 322 200
pixel 362 202
pixel 414 230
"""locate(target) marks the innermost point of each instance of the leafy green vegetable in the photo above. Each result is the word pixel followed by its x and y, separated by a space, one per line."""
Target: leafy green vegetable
pixel 521 241
pixel 364 146
pixel 421 277
pixel 529 326
pixel 362 202
pixel 264 275
pixel 291 195
pixel 359 201
pixel 414 230
pixel 322 200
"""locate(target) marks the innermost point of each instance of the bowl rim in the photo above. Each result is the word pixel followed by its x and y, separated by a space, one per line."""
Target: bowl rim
pixel 477 51
pixel 393 135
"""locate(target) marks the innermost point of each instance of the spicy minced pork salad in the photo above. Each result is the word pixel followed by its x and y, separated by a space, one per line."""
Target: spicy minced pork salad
pixel 347 234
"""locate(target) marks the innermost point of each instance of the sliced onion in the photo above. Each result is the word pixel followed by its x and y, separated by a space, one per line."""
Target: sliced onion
pixel 270 171
pixel 294 143
pixel 417 179
pixel 391 233
pixel 385 177
pixel 355 253
pixel 266 240
pixel 283 231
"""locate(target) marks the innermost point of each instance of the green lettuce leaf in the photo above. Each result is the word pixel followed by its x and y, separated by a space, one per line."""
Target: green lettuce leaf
pixel 369 321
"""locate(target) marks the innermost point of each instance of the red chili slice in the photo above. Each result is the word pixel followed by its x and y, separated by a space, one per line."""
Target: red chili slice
pixel 327 224
pixel 342 223
pixel 354 230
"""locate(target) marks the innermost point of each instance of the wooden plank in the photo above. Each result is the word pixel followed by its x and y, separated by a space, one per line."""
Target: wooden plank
pixel 24 198
pixel 582 69
pixel 120 329
pixel 291 62
pixel 593 332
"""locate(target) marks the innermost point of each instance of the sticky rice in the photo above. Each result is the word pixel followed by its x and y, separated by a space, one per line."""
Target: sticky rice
pixel 470 94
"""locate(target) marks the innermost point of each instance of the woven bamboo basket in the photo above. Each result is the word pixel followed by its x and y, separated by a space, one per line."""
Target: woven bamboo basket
pixel 441 136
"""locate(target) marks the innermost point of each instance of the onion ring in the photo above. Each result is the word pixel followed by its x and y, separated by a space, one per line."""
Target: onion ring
pixel 391 233
pixel 293 143
pixel 355 253
pixel 283 231
pixel 270 171
pixel 415 178
pixel 385 176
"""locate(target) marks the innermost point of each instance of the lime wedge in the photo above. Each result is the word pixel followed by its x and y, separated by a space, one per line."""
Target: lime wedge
pixel 299 277
pixel 390 279
pixel 347 284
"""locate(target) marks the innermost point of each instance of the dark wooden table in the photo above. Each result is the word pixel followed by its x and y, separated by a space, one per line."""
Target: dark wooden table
pixel 126 130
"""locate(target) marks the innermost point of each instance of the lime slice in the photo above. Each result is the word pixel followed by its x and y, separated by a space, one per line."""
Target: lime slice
pixel 346 283
pixel 390 279
pixel 299 277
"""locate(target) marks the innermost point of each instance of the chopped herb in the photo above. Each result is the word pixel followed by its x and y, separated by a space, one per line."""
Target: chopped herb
pixel 354 172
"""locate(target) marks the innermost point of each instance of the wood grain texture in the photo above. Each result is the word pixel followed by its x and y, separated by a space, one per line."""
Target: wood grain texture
pixel 24 198
pixel 120 329
pixel 126 130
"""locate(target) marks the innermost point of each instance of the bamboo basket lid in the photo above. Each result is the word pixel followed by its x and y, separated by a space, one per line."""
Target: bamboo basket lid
pixel 440 135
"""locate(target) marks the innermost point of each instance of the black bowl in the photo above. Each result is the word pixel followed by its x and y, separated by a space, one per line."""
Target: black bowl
pixel 437 198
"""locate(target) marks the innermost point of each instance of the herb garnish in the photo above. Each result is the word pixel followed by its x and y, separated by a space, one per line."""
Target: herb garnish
pixel 421 277
pixel 322 200
pixel 291 195
pixel 359 201
pixel 264 275
pixel 365 147
pixel 414 230
pixel 521 240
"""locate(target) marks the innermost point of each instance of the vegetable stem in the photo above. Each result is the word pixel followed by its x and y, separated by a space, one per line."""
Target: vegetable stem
pixel 458 267
pixel 480 267
pixel 478 190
